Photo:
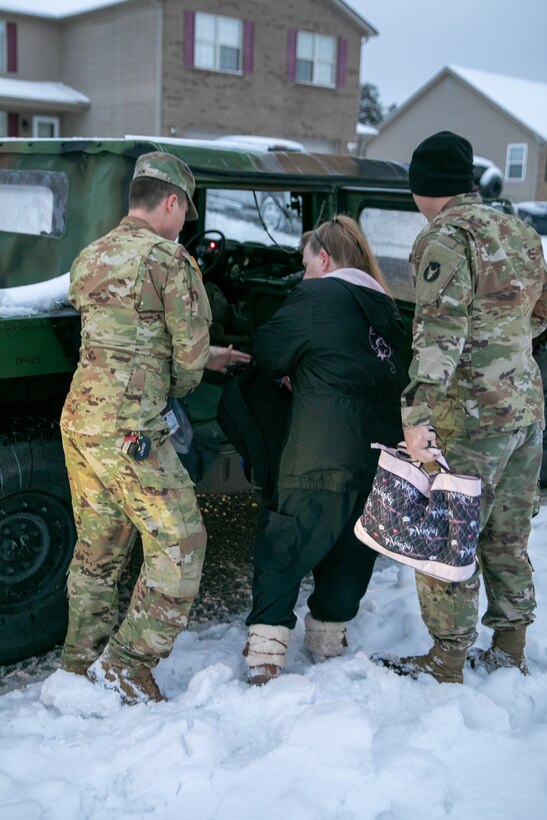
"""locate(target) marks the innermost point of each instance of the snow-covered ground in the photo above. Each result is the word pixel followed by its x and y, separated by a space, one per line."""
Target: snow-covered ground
pixel 341 740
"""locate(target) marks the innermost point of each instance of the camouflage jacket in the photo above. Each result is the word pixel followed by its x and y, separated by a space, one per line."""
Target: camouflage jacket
pixel 481 295
pixel 145 330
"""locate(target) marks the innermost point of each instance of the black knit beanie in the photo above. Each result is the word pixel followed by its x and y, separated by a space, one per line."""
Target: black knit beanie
pixel 442 165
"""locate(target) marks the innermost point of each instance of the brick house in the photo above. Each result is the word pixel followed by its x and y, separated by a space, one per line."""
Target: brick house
pixel 185 68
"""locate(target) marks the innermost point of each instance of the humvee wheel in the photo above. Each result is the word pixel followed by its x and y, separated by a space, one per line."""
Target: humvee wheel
pixel 37 538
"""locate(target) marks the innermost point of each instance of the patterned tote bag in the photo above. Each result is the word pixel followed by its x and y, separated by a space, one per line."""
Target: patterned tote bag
pixel 429 521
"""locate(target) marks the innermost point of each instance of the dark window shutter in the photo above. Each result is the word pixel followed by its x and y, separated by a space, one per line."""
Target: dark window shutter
pixel 189 25
pixel 342 62
pixel 291 55
pixel 248 46
pixel 13 124
pixel 11 43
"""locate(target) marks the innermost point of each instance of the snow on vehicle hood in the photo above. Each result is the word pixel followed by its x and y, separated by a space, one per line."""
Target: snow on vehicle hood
pixel 29 300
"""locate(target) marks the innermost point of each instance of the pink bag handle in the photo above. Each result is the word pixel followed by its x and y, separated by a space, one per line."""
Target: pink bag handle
pixel 401 452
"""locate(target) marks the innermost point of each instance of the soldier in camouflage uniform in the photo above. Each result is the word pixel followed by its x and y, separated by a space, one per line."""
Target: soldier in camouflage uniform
pixel 145 335
pixel 476 392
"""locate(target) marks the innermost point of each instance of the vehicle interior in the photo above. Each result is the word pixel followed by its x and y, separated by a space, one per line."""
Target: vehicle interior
pixel 247 244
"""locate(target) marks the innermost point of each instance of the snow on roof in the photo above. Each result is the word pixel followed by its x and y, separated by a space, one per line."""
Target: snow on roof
pixel 65 8
pixel 34 90
pixel 364 130
pixel 55 8
pixel 525 100
pixel 370 31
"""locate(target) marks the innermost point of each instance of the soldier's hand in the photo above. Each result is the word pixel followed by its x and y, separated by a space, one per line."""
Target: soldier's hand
pixel 419 442
pixel 220 358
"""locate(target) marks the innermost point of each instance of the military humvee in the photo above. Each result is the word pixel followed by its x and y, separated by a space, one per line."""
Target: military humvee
pixel 58 196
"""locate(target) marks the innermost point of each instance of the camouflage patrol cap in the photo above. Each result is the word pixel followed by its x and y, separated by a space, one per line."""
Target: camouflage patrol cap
pixel 159 165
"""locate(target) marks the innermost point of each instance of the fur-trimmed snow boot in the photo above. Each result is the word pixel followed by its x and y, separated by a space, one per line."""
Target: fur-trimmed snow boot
pixel 443 662
pixel 324 639
pixel 505 651
pixel 265 651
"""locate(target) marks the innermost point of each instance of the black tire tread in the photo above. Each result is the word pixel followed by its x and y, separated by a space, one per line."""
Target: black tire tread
pixel 39 626
pixel 27 428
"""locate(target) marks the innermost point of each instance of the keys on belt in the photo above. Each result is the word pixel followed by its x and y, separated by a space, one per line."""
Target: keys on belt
pixel 136 445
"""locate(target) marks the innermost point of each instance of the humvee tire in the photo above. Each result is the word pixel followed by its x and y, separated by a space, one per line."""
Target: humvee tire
pixel 37 537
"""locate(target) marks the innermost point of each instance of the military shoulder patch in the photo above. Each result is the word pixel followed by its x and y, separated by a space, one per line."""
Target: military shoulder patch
pixel 432 271
pixel 436 273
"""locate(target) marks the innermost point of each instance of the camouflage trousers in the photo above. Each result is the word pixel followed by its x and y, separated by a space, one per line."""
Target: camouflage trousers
pixel 508 465
pixel 113 498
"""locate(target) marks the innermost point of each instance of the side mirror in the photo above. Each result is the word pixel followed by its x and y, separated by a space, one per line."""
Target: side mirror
pixel 491 183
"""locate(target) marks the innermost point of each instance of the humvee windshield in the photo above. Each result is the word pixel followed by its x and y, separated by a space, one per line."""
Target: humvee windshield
pixel 269 217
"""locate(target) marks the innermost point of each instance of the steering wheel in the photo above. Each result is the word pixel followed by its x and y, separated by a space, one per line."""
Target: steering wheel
pixel 208 249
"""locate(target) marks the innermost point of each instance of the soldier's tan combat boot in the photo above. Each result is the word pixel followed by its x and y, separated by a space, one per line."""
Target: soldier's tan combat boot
pixel 73 661
pixel 443 662
pixel 324 639
pixel 264 652
pixel 134 685
pixel 505 651
pixel 74 666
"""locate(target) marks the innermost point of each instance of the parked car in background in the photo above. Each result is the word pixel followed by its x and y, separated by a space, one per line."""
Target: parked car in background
pixel 534 213
pixel 505 206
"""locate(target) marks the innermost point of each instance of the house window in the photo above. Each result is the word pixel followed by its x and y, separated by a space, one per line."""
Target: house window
pixel 218 43
pixel 3 124
pixel 8 47
pixel 3 46
pixel 515 168
pixel 316 59
pixel 45 127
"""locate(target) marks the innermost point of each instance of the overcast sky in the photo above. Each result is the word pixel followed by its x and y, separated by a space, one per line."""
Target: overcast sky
pixel 418 37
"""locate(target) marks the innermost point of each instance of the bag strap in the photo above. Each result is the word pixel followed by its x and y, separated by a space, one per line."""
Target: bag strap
pixel 401 452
